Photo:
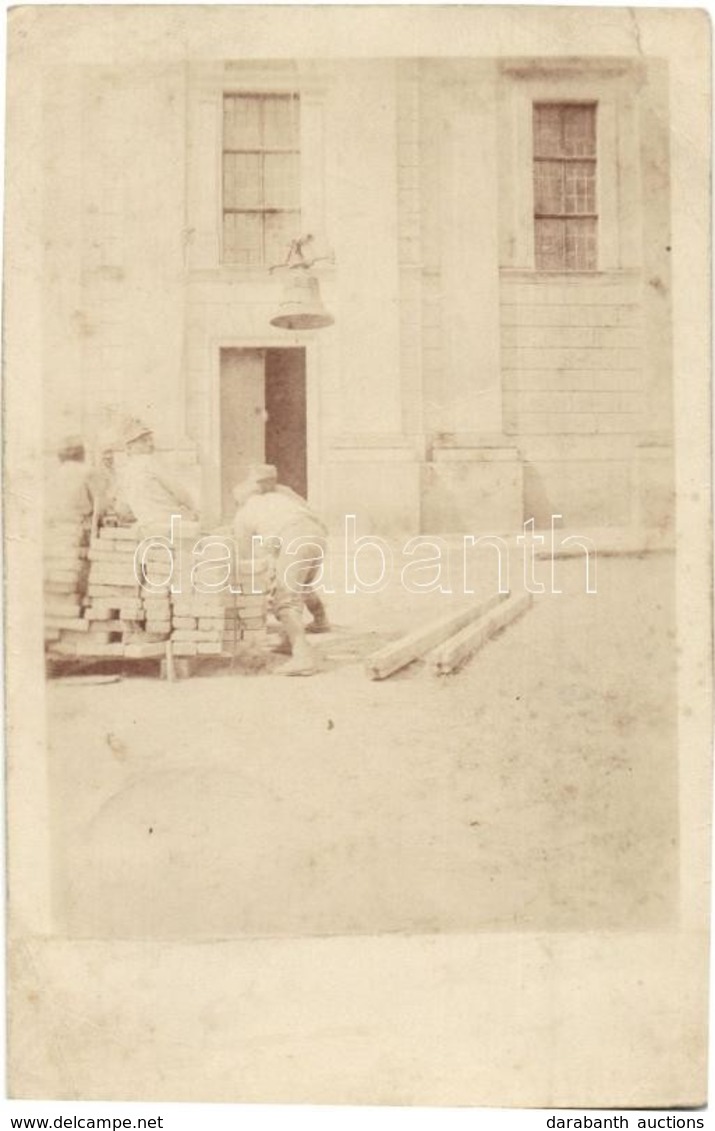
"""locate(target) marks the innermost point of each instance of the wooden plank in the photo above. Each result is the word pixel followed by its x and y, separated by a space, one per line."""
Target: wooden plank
pixel 455 651
pixel 523 357
pixel 574 380
pixel 145 651
pixel 570 292
pixel 91 648
pixel 546 401
pixel 571 337
pixel 402 652
pixel 567 315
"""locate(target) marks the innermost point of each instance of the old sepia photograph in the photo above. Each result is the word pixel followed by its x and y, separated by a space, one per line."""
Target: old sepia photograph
pixel 358 555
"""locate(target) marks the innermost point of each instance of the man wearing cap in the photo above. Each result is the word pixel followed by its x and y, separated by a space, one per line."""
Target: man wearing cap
pixel 145 485
pixel 276 514
pixel 69 496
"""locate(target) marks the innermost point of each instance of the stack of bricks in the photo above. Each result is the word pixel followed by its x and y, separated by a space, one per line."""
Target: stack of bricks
pixel 213 624
pixel 102 602
pixel 253 581
pixel 202 624
pixel 65 580
pixel 123 621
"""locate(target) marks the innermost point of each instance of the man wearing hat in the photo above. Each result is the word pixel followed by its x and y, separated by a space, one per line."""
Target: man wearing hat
pixel 150 491
pixel 69 496
pixel 274 512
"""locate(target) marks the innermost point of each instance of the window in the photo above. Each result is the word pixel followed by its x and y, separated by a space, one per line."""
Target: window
pixel 261 177
pixel 565 211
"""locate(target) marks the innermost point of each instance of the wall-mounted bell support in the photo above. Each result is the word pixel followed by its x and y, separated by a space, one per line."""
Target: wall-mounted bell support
pixel 300 307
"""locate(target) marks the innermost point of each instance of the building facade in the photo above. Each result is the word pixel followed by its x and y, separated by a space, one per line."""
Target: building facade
pixel 496 259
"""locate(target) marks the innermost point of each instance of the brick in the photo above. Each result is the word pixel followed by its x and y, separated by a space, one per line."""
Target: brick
pixel 184 622
pixel 184 635
pixel 157 606
pixel 68 624
pixel 116 626
pixel 130 612
pixel 119 534
pixel 184 649
pixel 199 607
pixel 209 623
pixel 92 648
pixel 61 588
pixel 207 649
pixel 113 592
pixel 93 614
pixel 54 562
pixel 127 606
pixel 145 651
pixel 70 637
pixel 64 648
pixel 252 622
pixel 63 575
pixel 118 557
pixel 59 608
pixel 102 574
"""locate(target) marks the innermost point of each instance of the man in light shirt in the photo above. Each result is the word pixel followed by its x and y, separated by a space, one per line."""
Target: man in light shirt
pixel 283 520
pixel 145 485
pixel 69 496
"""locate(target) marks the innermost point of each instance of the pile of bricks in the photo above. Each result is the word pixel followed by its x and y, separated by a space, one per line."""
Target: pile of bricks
pixel 102 602
pixel 215 623
pixel 253 579
pixel 65 577
pixel 122 620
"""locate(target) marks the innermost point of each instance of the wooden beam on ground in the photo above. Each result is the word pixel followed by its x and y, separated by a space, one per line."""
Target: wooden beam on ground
pixel 455 651
pixel 402 652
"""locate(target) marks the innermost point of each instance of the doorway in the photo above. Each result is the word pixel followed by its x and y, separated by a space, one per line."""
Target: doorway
pixel 263 417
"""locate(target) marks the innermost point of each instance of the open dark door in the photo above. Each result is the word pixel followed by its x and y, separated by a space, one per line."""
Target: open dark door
pixel 263 417
pixel 286 428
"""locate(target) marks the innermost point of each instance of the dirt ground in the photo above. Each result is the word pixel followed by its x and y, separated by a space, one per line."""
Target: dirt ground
pixel 535 789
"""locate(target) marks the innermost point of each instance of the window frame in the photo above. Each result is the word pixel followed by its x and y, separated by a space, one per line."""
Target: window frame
pixel 563 160
pixel 261 96
pixel 611 84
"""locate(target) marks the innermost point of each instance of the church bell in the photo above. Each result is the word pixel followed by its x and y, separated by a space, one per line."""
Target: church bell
pixel 301 307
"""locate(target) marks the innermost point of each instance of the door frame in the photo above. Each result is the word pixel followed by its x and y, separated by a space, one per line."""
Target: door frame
pixel 211 431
